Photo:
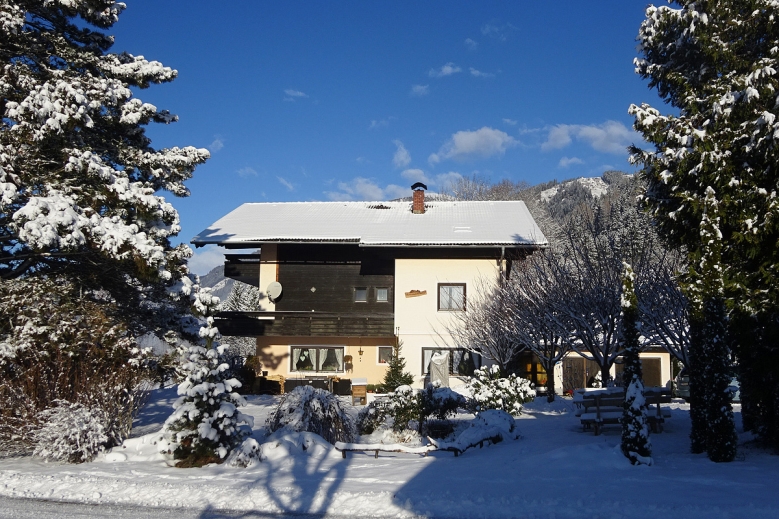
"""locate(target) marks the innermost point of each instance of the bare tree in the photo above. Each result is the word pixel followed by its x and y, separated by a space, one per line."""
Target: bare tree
pixel 536 322
pixel 665 315
pixel 590 250
pixel 242 298
pixel 486 327
pixel 480 188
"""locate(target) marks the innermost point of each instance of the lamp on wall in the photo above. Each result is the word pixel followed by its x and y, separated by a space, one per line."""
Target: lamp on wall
pixel 360 352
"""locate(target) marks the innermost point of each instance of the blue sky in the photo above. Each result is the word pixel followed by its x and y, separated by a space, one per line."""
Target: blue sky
pixel 357 100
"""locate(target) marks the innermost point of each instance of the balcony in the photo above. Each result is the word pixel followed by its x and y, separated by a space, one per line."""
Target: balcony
pixel 304 324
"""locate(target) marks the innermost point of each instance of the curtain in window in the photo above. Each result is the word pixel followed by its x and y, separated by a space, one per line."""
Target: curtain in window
pixel 303 359
pixel 331 359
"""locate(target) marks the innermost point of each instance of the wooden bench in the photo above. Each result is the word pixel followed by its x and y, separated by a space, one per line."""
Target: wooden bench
pixel 381 447
pixel 599 409
pixel 602 408
pixel 657 417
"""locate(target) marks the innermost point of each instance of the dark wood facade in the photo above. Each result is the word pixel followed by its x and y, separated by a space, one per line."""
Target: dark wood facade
pixel 243 267
pixel 304 324
pixel 319 285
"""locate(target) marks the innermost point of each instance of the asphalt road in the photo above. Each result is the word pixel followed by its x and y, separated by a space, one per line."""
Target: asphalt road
pixel 41 509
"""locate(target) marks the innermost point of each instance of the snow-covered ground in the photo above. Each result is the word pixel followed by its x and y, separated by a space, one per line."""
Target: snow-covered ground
pixel 554 471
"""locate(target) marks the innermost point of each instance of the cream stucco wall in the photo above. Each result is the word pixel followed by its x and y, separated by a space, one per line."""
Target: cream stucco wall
pixel 275 352
pixel 417 319
pixel 268 274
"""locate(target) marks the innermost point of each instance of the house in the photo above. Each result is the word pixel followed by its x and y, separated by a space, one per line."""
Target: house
pixel 340 280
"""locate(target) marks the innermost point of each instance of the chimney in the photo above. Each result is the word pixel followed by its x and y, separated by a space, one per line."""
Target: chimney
pixel 418 203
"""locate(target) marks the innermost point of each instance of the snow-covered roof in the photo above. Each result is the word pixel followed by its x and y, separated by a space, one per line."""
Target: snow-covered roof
pixel 375 224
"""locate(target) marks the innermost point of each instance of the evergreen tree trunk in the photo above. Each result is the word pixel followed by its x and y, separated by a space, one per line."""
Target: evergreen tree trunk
pixel 721 440
pixel 756 348
pixel 697 408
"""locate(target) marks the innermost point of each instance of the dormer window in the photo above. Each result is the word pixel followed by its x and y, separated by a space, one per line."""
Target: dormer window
pixel 382 295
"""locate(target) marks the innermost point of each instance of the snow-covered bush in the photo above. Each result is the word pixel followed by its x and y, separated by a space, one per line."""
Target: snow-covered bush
pixel 70 432
pixel 57 343
pixel 310 409
pixel 372 416
pixel 408 407
pixel 491 391
pixel 245 455
pixel 206 424
pixel 439 402
pixel 404 407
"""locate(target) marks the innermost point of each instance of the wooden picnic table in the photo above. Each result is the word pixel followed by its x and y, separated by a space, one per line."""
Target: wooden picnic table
pixel 598 407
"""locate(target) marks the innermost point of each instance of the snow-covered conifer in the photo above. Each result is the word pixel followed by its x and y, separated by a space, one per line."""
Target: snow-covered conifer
pixel 716 63
pixel 206 424
pixel 396 375
pixel 636 445
pixel 79 180
pixel 713 359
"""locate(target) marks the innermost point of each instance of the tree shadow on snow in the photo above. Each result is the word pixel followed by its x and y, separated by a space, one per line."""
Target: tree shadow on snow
pixel 301 484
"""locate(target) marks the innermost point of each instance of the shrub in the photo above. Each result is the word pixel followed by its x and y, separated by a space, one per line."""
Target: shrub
pixel 406 405
pixel 490 391
pixel 314 410
pixel 61 347
pixel 70 432
pixel 372 416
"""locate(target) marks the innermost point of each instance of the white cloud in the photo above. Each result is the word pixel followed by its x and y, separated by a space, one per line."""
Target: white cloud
pixel 445 180
pixel 360 188
pixel 393 191
pixel 559 137
pixel 402 157
pixel 510 122
pixel 478 73
pixel 609 137
pixel 206 258
pixel 381 123
pixel 415 175
pixel 484 142
pixel 420 90
pixel 565 161
pixel 247 172
pixel 471 44
pixel 292 95
pixel 216 145
pixel 499 32
pixel 286 183
pixel 446 70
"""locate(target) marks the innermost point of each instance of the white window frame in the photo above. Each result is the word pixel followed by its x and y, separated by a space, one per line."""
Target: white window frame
pixel 378 355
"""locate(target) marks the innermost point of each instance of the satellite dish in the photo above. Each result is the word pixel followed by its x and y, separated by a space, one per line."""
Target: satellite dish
pixel 274 290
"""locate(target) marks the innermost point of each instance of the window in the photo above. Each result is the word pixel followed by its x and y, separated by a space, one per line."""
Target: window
pixel 451 297
pixel 361 295
pixel 317 359
pixel 382 295
pixel 385 354
pixel 461 362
